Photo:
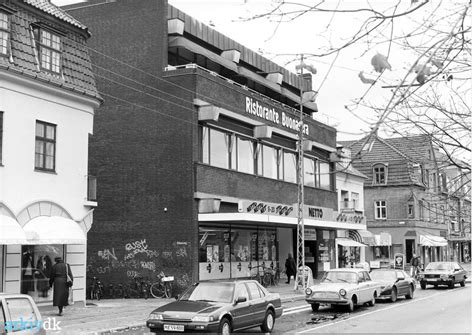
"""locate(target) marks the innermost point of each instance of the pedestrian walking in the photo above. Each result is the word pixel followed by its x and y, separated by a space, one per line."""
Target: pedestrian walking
pixel 290 266
pixel 415 266
pixel 61 278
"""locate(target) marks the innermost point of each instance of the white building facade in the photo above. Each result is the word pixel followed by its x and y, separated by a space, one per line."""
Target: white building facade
pixel 47 103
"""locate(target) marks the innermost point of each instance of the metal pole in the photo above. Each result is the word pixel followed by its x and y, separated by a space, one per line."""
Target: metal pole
pixel 300 181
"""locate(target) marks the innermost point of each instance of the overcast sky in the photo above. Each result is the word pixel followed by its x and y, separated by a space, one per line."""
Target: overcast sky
pixel 337 85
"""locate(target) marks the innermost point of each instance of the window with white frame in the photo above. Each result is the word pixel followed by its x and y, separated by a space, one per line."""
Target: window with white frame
pixel 48 45
pixel 380 209
pixel 1 136
pixel 4 34
pixel 380 174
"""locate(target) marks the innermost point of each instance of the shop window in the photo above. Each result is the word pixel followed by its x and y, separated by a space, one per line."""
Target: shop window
pixel 380 209
pixel 324 175
pixel 381 252
pixel 289 167
pixel 48 45
pixel 45 148
pixel 4 34
pixel 380 174
pixel 36 264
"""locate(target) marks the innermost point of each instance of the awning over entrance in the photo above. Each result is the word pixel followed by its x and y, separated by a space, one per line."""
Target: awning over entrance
pixel 54 230
pixel 11 231
pixel 347 242
pixel 383 239
pixel 433 241
pixel 367 237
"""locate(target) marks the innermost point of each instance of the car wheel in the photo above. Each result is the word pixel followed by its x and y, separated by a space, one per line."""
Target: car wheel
pixel 225 327
pixel 315 307
pixel 410 293
pixel 372 302
pixel 393 294
pixel 451 284
pixel 423 285
pixel 463 283
pixel 268 322
pixel 351 305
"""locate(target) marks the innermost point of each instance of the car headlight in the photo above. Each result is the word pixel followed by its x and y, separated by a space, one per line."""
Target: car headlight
pixel 199 318
pixel 342 292
pixel 156 316
pixel 308 291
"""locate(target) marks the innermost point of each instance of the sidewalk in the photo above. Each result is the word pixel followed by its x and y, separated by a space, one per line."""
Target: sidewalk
pixel 107 315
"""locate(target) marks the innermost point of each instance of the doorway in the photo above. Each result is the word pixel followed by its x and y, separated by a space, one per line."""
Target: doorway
pixel 410 249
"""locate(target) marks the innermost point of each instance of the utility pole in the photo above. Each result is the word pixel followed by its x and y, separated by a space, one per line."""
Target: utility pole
pixel 300 251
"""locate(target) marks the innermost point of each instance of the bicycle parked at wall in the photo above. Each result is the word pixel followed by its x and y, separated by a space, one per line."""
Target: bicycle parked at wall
pixel 162 288
pixel 96 289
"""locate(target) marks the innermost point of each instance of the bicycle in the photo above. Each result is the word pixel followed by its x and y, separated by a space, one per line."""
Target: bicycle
pixel 162 288
pixel 96 289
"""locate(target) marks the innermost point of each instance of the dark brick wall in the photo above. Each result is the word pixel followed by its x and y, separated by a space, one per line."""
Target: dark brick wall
pixel 223 182
pixel 141 150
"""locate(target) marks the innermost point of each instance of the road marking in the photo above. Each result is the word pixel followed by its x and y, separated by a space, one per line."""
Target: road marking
pixel 371 312
pixel 297 309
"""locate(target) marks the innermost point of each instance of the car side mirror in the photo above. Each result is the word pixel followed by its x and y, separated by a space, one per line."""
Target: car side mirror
pixel 240 299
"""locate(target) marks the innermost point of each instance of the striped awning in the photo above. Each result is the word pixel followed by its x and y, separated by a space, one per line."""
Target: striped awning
pixel 433 241
pixel 367 237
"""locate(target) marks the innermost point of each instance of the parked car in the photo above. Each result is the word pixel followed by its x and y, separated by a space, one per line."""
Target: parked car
pixel 219 306
pixel 345 286
pixel 19 315
pixel 394 283
pixel 443 273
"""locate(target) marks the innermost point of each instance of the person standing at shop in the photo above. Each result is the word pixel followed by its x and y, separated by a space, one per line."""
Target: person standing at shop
pixel 290 266
pixel 415 266
pixel 59 278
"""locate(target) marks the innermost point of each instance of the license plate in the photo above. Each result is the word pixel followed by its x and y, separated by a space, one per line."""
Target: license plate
pixel 174 328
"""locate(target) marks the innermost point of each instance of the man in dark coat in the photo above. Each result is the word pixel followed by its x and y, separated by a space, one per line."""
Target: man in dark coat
pixel 290 266
pixel 58 278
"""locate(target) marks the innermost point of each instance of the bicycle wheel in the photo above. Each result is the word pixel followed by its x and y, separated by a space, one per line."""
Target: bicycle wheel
pixel 167 289
pixel 276 278
pixel 267 279
pixel 157 291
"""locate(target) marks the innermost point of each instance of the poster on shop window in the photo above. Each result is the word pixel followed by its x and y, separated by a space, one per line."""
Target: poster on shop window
pixel 399 260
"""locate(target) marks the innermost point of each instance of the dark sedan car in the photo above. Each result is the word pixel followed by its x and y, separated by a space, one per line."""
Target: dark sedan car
pixel 443 273
pixel 223 307
pixel 394 283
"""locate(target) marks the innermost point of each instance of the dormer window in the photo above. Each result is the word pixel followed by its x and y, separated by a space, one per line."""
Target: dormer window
pixel 48 45
pixel 4 34
pixel 380 174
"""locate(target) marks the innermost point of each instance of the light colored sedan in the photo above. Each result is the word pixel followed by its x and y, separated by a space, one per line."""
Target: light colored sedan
pixel 347 286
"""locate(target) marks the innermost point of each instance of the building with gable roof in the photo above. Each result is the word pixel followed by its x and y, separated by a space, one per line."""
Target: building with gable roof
pixel 196 152
pixel 47 101
pixel 406 195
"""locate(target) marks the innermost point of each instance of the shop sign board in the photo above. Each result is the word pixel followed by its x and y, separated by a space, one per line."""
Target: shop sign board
pixel 310 234
pixel 266 112
pixel 309 212
pixel 399 261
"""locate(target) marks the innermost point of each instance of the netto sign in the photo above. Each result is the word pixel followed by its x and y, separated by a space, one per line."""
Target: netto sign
pixel 268 113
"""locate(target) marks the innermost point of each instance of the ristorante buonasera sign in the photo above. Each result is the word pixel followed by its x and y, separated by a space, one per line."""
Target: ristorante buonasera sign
pixel 260 110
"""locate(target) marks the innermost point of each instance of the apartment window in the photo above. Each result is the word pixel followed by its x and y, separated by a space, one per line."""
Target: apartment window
pixel 1 136
pixel 245 155
pixel 45 149
pixel 269 162
pixel 4 34
pixel 309 172
pixel 289 166
pixel 411 210
pixel 380 174
pixel 49 50
pixel 355 199
pixel 380 209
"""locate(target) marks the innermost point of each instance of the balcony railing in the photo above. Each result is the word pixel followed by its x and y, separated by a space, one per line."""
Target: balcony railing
pixel 91 188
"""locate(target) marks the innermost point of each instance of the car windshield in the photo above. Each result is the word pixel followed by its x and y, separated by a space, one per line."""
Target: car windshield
pixel 213 292
pixel 340 277
pixel 439 266
pixel 383 275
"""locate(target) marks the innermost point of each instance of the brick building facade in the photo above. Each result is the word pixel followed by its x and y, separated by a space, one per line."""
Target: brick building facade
pixel 195 152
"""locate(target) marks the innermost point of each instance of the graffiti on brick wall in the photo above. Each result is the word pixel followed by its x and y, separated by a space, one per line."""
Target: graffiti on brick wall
pixel 137 258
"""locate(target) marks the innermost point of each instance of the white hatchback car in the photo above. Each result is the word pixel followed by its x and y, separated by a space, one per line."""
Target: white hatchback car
pixel 19 315
pixel 345 286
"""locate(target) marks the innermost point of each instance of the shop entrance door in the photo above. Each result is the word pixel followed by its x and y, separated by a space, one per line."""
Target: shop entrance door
pixel 409 249
pixel 310 255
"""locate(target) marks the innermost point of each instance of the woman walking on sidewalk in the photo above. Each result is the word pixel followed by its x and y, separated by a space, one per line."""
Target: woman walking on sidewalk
pixel 290 266
pixel 59 278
